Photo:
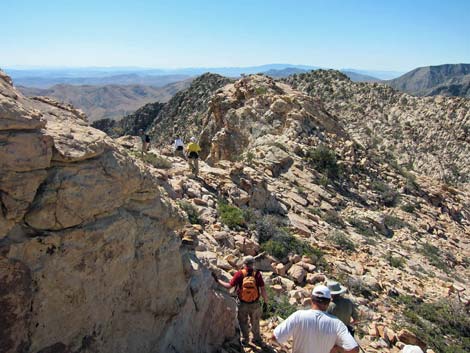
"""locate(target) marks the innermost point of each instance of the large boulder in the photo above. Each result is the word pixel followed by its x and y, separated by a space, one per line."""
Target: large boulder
pixel 90 257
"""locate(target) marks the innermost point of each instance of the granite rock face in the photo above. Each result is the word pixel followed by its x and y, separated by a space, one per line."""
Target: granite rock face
pixel 90 257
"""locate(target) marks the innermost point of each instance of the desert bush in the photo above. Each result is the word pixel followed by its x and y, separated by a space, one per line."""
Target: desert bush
pixel 434 256
pixel 261 90
pixel 395 261
pixel 278 305
pixel 324 160
pixel 388 196
pixel 283 243
pixel 362 227
pixel 249 157
pixel 315 210
pixel 230 215
pixel 444 324
pixel 191 211
pixel 411 186
pixel 332 217
pixel 394 222
pixel 341 240
pixel 157 161
pixel 408 207
pixel 324 181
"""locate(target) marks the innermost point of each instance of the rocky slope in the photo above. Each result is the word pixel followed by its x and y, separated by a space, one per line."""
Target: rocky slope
pixel 90 250
pixel 457 87
pixel 110 101
pixel 284 179
pixel 309 201
pixel 448 80
pixel 142 118
pixel 428 134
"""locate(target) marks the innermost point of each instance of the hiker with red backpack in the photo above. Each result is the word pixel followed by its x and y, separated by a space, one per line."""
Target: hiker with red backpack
pixel 250 286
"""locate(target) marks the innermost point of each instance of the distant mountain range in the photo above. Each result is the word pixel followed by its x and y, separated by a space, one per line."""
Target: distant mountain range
pixel 116 92
pixel 382 75
pixel 287 71
pixel 109 101
pixel 446 80
pixel 45 78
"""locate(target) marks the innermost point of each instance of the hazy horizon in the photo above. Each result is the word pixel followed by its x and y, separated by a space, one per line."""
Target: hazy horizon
pixel 172 68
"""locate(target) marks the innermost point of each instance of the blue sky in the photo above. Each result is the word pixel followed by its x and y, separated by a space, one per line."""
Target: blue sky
pixel 363 34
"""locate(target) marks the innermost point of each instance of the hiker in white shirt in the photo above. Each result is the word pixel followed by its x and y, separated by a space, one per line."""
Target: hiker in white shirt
pixel 179 147
pixel 314 330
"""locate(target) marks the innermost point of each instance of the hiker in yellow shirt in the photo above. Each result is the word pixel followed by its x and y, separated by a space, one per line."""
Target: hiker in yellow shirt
pixel 192 152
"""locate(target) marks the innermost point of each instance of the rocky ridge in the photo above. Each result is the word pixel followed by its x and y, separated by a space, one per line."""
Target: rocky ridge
pixel 428 134
pixel 90 255
pixel 142 118
pixel 183 113
pixel 393 236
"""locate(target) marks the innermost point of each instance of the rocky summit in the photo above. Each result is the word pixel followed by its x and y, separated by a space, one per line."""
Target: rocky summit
pixel 289 174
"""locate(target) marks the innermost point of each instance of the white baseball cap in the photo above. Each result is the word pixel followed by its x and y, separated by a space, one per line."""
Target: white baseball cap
pixel 321 292
pixel 411 349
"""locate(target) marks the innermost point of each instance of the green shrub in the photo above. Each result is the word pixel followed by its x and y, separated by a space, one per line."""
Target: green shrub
pixel 408 207
pixel 315 210
pixel 342 241
pixel 261 90
pixel 324 181
pixel 388 196
pixel 283 243
pixel 444 325
pixel 394 222
pixel 434 256
pixel 395 261
pixel 411 185
pixel 157 161
pixel 324 160
pixel 230 215
pixel 362 227
pixel 278 305
pixel 275 247
pixel 332 217
pixel 249 157
pixel 191 212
